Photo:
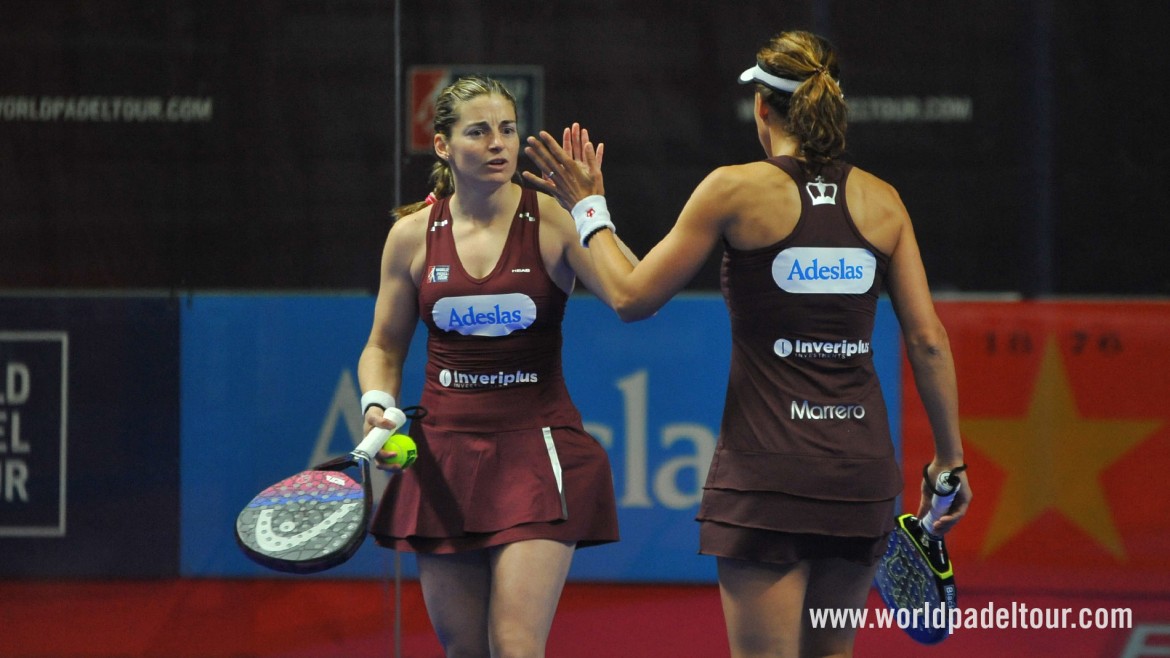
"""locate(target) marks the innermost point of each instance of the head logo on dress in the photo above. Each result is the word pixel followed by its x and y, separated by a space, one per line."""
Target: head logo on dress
pixel 821 192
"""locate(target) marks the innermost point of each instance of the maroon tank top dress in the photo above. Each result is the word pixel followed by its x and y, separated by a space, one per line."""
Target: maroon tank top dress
pixel 502 452
pixel 805 465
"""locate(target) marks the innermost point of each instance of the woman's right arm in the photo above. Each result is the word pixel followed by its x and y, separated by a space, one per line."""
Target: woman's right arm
pixel 395 311
pixel 635 290
pixel 638 291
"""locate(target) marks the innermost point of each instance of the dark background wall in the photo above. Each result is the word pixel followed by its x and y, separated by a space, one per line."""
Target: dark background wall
pixel 183 145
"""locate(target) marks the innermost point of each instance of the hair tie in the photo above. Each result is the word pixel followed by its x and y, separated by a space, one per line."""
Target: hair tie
pixel 431 199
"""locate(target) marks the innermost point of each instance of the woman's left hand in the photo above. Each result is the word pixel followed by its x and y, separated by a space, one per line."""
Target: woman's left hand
pixel 572 170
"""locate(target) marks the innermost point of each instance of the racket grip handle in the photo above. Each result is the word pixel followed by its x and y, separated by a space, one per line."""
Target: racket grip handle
pixel 377 437
pixel 947 485
pixel 372 443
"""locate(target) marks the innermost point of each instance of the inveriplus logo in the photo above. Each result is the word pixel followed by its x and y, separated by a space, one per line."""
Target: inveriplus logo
pixel 806 410
pixel 456 379
pixel 824 270
pixel 819 349
pixel 485 315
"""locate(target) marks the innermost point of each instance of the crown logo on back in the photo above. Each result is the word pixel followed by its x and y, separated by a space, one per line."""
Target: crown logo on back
pixel 822 193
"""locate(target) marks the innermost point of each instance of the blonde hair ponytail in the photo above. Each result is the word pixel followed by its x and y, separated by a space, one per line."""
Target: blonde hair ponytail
pixel 442 185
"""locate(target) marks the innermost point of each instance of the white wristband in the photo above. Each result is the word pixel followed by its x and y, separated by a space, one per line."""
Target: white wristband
pixel 377 399
pixel 591 215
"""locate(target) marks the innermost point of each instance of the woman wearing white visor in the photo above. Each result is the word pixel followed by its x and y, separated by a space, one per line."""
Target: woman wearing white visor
pixel 799 500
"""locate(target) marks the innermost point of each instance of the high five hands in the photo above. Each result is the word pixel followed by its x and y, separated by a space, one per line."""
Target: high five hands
pixel 571 170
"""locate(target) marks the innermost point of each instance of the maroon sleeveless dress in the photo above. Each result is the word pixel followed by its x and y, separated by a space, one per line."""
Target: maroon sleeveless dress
pixel 805 465
pixel 502 455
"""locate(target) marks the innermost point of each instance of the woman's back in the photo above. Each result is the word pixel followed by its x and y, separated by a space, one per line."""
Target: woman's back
pixel 764 204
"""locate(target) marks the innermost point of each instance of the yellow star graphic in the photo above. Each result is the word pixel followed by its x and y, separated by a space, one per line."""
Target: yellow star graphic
pixel 1053 458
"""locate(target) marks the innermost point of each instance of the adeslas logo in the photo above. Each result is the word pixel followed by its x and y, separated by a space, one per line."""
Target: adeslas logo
pixel 824 270
pixel 485 315
pixel 472 317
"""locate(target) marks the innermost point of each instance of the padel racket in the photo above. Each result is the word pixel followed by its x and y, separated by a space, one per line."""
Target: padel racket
pixel 915 573
pixel 316 519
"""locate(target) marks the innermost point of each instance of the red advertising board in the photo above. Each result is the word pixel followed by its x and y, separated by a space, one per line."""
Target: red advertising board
pixel 1066 428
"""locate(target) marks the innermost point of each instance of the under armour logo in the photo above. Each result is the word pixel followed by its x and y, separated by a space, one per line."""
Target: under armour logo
pixel 439 225
pixel 589 213
pixel 821 192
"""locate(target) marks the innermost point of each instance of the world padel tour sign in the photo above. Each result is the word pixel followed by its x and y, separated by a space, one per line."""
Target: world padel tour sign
pixel 89 436
pixel 33 382
pixel 425 82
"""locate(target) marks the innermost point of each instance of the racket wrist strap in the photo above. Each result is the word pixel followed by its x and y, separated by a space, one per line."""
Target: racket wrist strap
pixel 380 399
pixel 931 485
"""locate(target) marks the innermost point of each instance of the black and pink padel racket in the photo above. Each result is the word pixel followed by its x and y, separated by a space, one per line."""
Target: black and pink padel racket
pixel 316 519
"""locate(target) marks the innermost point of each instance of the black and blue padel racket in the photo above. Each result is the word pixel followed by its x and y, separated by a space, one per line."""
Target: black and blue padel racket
pixel 916 573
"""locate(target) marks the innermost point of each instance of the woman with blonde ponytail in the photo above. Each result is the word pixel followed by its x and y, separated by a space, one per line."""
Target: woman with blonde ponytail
pixel 799 499
pixel 507 484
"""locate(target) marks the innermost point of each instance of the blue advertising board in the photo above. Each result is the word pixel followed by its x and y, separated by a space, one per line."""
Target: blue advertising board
pixel 269 388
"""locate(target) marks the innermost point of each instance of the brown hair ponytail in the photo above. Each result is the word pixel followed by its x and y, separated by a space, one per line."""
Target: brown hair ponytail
pixel 815 112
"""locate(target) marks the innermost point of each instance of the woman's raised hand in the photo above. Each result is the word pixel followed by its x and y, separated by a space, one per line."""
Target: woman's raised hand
pixel 571 170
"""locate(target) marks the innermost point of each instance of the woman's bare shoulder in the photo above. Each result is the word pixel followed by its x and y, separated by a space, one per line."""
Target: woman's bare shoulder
pixel 876 208
pixel 412 227
pixel 874 190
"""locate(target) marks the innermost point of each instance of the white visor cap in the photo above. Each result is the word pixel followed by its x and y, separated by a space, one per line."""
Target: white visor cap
pixel 757 74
